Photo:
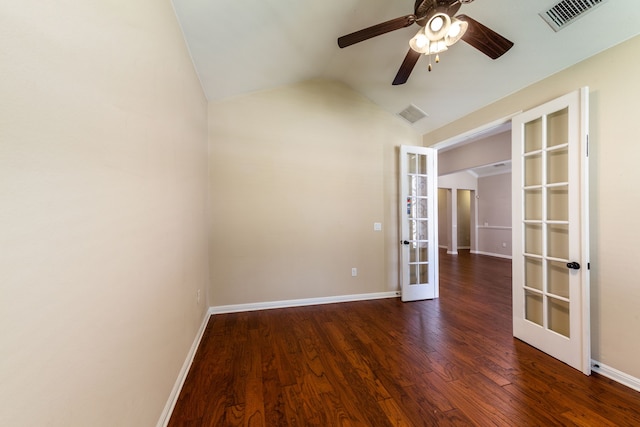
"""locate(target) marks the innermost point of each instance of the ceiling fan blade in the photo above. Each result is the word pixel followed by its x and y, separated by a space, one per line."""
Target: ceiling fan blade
pixel 453 9
pixel 485 39
pixel 376 30
pixel 407 67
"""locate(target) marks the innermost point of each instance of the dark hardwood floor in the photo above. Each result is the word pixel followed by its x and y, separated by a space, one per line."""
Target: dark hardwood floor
pixel 449 361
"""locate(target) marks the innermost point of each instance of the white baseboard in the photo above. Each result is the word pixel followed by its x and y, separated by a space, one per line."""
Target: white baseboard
pixel 491 254
pixel 614 374
pixel 182 376
pixel 235 308
pixel 459 247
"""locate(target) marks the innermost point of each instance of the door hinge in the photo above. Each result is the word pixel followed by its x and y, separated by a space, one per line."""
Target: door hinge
pixel 588 266
pixel 587 145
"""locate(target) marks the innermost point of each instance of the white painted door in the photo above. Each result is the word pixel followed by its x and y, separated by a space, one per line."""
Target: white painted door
pixel 418 223
pixel 550 229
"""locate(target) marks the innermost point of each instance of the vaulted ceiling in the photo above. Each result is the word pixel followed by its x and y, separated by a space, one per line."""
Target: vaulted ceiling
pixel 242 46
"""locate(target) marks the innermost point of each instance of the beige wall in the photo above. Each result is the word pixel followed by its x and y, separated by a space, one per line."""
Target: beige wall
pixel 494 200
pixel 444 225
pixel 298 176
pixel 102 211
pixel 450 186
pixel 614 173
pixel 464 218
pixel 494 210
pixel 484 151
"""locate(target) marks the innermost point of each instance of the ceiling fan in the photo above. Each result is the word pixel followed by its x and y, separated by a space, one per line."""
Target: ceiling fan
pixel 440 29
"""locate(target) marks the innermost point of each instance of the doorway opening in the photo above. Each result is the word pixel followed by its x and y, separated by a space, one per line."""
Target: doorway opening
pixel 476 173
pixel 457 218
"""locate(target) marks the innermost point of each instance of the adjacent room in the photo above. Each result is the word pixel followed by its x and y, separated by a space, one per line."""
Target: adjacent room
pixel 167 163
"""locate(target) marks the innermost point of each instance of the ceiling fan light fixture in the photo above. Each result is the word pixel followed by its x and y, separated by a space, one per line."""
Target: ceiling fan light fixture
pixel 437 26
pixel 437 47
pixel 456 31
pixel 420 42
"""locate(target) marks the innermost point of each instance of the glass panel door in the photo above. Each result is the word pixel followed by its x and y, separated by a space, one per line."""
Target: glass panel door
pixel 550 229
pixel 418 221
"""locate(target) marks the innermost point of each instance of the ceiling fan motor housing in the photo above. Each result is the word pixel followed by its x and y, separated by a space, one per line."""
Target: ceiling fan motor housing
pixel 426 9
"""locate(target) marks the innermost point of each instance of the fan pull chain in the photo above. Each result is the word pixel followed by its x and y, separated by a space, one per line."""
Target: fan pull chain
pixel 430 67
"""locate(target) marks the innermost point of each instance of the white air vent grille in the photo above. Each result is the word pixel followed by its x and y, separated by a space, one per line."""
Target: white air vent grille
pixel 412 114
pixel 567 11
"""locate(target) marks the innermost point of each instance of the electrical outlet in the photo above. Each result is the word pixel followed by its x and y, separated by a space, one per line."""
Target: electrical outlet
pixel 354 272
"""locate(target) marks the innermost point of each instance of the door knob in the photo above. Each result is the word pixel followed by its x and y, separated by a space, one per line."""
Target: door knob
pixel 573 265
pixel 405 242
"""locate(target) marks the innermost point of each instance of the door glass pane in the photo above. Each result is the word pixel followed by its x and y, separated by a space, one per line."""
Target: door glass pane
pixel 419 252
pixel 533 239
pixel 557 170
pixel 558 128
pixel 419 274
pixel 419 229
pixel 413 230
pixel 533 273
pixel 533 307
pixel 422 164
pixel 558 203
pixel 533 170
pixel 423 252
pixel 413 274
pixel 424 273
pixel 533 135
pixel 411 163
pixel 420 210
pixel 417 185
pixel 533 204
pixel 558 316
pixel 558 241
pixel 558 279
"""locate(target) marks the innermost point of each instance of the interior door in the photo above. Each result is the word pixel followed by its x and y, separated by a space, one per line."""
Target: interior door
pixel 418 223
pixel 550 229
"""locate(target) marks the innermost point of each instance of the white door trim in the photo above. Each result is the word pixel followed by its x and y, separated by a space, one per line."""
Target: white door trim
pixel 492 128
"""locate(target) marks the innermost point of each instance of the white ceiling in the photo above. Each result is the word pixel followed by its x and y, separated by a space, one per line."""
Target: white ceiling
pixel 241 46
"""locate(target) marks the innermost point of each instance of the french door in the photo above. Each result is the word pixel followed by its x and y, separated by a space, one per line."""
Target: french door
pixel 550 229
pixel 418 223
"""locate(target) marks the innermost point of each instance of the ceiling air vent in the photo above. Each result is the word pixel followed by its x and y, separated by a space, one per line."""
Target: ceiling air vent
pixel 567 11
pixel 412 114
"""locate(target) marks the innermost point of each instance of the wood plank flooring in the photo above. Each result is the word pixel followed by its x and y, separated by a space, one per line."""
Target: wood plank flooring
pixel 449 361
